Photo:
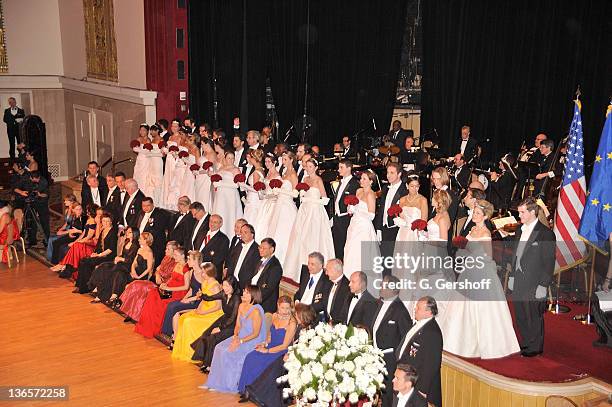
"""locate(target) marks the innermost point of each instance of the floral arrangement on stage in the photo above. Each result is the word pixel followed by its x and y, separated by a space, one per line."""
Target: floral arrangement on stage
pixel 460 242
pixel 419 225
pixel 394 211
pixel 333 364
pixel 238 178
pixel 259 186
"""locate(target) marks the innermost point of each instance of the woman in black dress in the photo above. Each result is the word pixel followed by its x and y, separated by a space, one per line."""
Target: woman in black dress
pixel 265 391
pixel 104 275
pixel 140 269
pixel 106 249
pixel 222 328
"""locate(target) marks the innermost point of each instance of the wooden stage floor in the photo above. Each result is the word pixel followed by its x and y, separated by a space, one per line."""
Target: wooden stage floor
pixel 53 337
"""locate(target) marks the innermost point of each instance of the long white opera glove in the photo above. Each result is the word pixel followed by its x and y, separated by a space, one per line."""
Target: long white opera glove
pixel 398 221
pixel 540 292
pixel 350 209
pixel 511 283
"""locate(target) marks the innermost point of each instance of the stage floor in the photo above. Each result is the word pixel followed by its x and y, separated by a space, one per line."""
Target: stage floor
pixel 53 338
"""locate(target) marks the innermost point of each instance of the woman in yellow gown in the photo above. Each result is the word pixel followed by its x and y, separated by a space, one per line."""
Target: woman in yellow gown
pixel 192 324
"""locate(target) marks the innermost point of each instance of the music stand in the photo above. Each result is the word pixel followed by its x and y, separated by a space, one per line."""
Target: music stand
pixel 532 169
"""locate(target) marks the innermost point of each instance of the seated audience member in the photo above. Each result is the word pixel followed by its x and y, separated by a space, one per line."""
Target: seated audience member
pixel 359 308
pixel 58 245
pixel 83 246
pixel 279 337
pixel 244 259
pixel 404 379
pixel 103 278
pixel 190 325
pixel 69 201
pixel 9 230
pixel 229 355
pixel 152 314
pixel 133 297
pixel 106 249
pixel 264 391
pixel 223 328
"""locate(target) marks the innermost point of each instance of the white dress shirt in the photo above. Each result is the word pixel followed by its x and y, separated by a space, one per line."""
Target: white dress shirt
pixel 260 269
pixel 308 295
pixel 468 219
pixel 143 222
pixel 381 314
pixel 526 231
pixel 238 156
pixel 352 305
pixel 332 293
pixel 339 195
pixel 415 328
pixel 196 229
pixel 254 147
pixel 95 196
pixel 243 252
pixel 389 201
pixel 463 145
pixel 110 193
pixel 402 399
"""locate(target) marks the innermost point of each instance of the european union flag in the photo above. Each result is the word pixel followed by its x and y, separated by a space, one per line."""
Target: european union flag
pixel 596 222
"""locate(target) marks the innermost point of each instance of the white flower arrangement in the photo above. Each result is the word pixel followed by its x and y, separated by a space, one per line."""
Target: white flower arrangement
pixel 333 365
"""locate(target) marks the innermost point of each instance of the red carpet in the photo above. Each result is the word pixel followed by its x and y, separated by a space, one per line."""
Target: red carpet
pixel 568 353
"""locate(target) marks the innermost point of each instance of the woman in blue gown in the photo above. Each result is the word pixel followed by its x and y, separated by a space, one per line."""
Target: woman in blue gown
pixel 230 354
pixel 280 336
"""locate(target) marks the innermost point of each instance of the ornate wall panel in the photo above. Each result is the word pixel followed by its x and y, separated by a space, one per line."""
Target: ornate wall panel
pixel 100 39
pixel 3 56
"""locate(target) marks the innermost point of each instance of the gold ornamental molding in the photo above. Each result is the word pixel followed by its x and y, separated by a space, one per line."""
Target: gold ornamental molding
pixel 100 39
pixel 3 56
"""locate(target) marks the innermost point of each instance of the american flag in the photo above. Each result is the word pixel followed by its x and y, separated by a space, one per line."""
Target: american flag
pixel 570 248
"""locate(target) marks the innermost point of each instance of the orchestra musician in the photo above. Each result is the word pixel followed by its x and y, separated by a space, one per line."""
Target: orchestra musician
pixel 461 174
pixel 502 184
pixel 548 169
pixel 468 145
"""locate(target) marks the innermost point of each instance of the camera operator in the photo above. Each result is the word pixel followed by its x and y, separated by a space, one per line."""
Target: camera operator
pixel 20 182
pixel 35 194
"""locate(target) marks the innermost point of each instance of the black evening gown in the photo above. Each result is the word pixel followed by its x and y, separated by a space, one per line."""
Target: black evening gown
pixel 122 277
pixel 88 264
pixel 103 276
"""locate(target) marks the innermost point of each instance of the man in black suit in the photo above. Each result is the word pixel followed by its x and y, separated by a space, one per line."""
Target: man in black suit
pixel 237 240
pixel 548 168
pixel 244 258
pixel 462 174
pixel 132 205
pixel 404 381
pixel 467 146
pixel 339 291
pixel 302 150
pixel 215 246
pixel 360 307
pixel 200 227
pixel 268 275
pixel 391 323
pixel 112 203
pixel 348 151
pixel 397 135
pixel 314 285
pixel 391 195
pixel 441 180
pixel 532 271
pixel 502 184
pixel 92 169
pixel 13 117
pixel 155 221
pixel 422 348
pixel 267 144
pixel 181 225
pixel 95 194
pixel 340 221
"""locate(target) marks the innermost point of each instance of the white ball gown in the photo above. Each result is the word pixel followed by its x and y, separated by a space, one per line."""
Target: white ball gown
pixel 407 240
pixel 203 186
pixel 253 199
pixel 155 175
pixel 168 192
pixel 141 166
pixel 477 323
pixel 283 218
pixel 265 221
pixel 187 187
pixel 311 232
pixel 360 230
pixel 227 202
pixel 174 190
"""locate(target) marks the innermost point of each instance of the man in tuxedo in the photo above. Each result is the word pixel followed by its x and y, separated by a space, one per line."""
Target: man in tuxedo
pixel 422 348
pixel 266 139
pixel 215 246
pixel 462 174
pixel 92 169
pixel 303 149
pixel 314 285
pixel 441 180
pixel 339 291
pixel 391 323
pixel 200 228
pixel 236 240
pixel 112 203
pixel 468 146
pixel 404 379
pixel 348 152
pixel 132 205
pixel 155 221
pixel 95 194
pixel 502 184
pixel 391 195
pixel 13 117
pixel 340 220
pixel 360 307
pixel 268 275
pixel 532 271
pixel 397 135
pixel 252 139
pixel 244 257
pixel 240 153
pixel 181 225
pixel 120 180
pixel 548 169
pixel 163 124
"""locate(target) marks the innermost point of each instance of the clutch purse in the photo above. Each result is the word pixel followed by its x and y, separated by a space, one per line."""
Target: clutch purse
pixel 164 294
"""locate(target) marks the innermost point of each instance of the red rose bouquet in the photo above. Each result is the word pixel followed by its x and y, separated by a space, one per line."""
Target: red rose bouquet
pixel 238 178
pixel 351 200
pixel 215 178
pixel 276 183
pixel 183 154
pixel 134 143
pixel 394 211
pixel 419 224
pixel 259 186
pixel 302 186
pixel 207 165
pixel 460 242
pixel 194 167
pixel 148 146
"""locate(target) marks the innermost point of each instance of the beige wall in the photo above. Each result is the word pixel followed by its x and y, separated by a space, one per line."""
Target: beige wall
pixel 33 39
pixel 130 37
pixel 73 38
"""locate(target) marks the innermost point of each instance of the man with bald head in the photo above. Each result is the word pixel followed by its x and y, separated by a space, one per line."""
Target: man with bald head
pixel 132 205
pixel 215 246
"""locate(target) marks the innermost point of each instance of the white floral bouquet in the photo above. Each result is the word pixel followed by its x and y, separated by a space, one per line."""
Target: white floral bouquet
pixel 333 365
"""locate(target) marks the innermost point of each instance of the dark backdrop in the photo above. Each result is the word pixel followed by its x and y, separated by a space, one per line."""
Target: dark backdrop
pixel 510 69
pixel 353 61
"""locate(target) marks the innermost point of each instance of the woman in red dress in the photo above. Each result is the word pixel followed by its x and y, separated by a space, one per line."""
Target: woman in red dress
pixel 153 311
pixel 9 231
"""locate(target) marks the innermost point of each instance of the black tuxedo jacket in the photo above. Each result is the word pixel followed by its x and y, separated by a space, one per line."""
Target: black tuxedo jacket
pixel 351 153
pixel 400 139
pixel 424 353
pixel 85 187
pixel 380 205
pixel 10 120
pixel 393 326
pixel 269 282
pixel 364 311
pixel 500 191
pixel 133 212
pixel 243 158
pixel 471 149
pixel 181 232
pixel 546 164
pixel 321 291
pixel 215 251
pixel 537 264
pixel 234 242
pixel 462 178
pixel 337 307
pixel 113 204
pixel 248 268
pixel 157 226
pixel 351 189
pixel 87 197
pixel 194 242
pixel 415 400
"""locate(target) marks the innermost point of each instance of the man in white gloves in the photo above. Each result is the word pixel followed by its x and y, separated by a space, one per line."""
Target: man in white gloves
pixel 533 263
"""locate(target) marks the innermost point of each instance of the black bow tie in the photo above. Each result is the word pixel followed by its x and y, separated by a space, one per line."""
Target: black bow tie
pixel 356 296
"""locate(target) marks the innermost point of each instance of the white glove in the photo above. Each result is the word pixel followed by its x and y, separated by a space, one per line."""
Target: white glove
pixel 399 222
pixel 379 235
pixel 511 283
pixel 331 222
pixel 540 292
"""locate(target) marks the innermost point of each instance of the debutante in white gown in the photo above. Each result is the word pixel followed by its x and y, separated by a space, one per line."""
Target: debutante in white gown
pixel 155 175
pixel 141 167
pixel 361 240
pixel 266 212
pixel 477 323
pixel 283 218
pixel 253 198
pixel 168 194
pixel 311 232
pixel 203 186
pixel 407 240
pixel 187 187
pixel 227 202
pixel 176 182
